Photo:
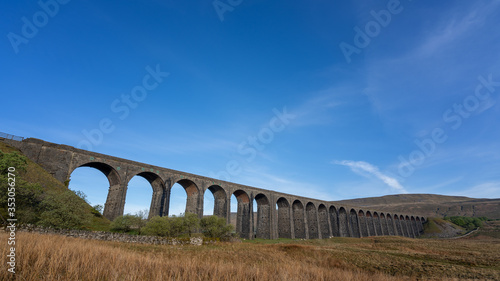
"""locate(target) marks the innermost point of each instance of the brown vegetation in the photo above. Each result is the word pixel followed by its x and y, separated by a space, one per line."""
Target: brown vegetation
pixel 50 257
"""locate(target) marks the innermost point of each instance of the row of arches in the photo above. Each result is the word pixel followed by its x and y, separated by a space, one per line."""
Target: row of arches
pixel 275 216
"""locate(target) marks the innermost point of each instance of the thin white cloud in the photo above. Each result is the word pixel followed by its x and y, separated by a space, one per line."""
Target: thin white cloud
pixel 317 110
pixel 361 166
pixel 453 27
pixel 483 190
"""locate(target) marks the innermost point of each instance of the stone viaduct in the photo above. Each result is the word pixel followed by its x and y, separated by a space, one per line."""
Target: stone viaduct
pixel 279 215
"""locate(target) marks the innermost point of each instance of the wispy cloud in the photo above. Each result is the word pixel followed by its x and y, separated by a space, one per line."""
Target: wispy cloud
pixel 317 110
pixel 483 190
pixel 455 26
pixel 360 166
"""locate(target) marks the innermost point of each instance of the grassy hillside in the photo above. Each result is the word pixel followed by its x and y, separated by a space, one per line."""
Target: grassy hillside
pixel 490 229
pixel 40 186
pixel 440 228
pixel 431 205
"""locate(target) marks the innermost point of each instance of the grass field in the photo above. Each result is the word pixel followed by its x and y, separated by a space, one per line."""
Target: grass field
pixel 50 257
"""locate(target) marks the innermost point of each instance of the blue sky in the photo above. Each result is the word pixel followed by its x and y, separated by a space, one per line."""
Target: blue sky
pixel 328 99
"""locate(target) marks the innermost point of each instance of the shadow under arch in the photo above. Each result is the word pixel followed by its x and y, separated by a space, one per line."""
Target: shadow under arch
pixel 334 221
pixel 343 223
pixel 354 223
pixel 284 227
pixel 312 220
pixel 263 216
pixel 419 226
pixel 414 226
pixel 390 224
pixel 383 224
pixel 324 226
pixel 404 226
pixel 298 219
pixel 397 226
pixel 362 224
pixel 409 227
pixel 243 218
pixel 377 224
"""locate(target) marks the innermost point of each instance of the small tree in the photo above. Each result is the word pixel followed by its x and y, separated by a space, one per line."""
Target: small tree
pixel 97 210
pixel 64 210
pixel 191 223
pixel 159 226
pixel 141 219
pixel 123 223
pixel 215 227
pixel 177 226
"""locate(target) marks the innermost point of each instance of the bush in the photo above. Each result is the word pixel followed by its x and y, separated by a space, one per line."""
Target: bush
pixel 174 226
pixel 190 223
pixel 127 223
pixel 215 227
pixel 64 210
pixel 12 159
pixel 96 210
pixel 28 195
pixel 122 223
pixel 159 226
pixel 467 222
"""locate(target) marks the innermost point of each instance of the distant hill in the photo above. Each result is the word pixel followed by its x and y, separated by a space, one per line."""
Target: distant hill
pixel 430 205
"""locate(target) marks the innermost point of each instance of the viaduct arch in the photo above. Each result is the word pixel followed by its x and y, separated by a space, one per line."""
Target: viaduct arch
pixel 279 215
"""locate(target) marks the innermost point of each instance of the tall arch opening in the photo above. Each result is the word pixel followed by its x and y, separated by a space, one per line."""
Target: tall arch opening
pixel 409 227
pixel 184 196
pixel 363 230
pixel 107 191
pixel 334 221
pixel 397 226
pixel 145 193
pixel 215 202
pixel 376 223
pixel 343 223
pixel 243 214
pixel 419 225
pixel 414 226
pixel 284 227
pixel 383 224
pixel 263 216
pixel 404 226
pixel 177 200
pixel 370 224
pixel 323 221
pixel 298 219
pixel 353 216
pixel 390 224
pixel 312 221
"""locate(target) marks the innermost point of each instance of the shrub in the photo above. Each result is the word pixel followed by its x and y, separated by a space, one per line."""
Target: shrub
pixel 122 223
pixel 159 226
pixel 63 210
pixel 467 222
pixel 190 222
pixel 172 226
pixel 12 159
pixel 215 227
pixel 96 210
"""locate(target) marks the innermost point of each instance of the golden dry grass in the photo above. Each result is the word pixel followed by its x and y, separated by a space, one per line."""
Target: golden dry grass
pixel 50 257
